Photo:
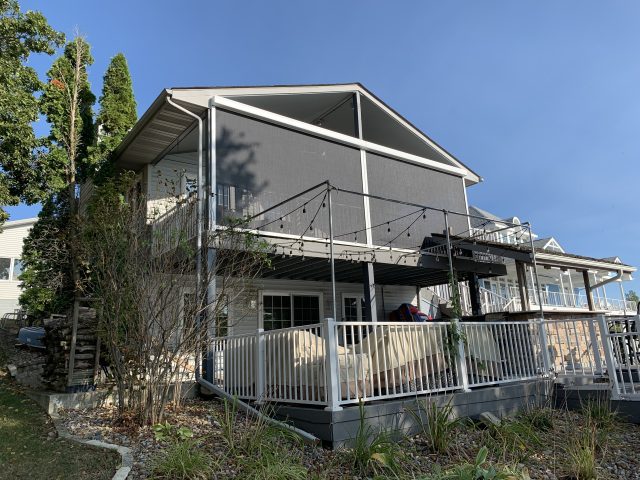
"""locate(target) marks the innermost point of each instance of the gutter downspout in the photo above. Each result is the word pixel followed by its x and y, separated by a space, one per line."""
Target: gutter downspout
pixel 306 436
pixel 199 215
pixel 200 212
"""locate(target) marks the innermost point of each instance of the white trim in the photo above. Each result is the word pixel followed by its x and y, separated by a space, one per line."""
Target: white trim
pixel 466 205
pixel 335 136
pixel 572 262
pixel 290 294
pixel 365 178
pixel 192 95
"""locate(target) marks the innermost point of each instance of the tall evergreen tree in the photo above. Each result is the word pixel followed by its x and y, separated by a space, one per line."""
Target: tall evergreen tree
pixel 117 115
pixel 52 256
pixel 22 175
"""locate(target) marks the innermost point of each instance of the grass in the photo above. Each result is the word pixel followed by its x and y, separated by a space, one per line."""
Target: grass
pixel 374 453
pixel 183 460
pixel 26 452
pixel 598 411
pixel 582 462
pixel 439 426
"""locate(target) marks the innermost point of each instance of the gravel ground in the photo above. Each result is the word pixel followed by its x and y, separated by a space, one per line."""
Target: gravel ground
pixel 619 457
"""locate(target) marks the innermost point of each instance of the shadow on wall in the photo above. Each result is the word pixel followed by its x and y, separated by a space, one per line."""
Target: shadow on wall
pixel 237 188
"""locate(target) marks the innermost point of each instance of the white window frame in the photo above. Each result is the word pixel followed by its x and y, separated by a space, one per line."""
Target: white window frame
pixel 359 296
pixel 290 294
pixel 10 277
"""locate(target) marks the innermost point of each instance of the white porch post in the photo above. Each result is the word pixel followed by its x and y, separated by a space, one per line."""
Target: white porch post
pixel 624 300
pixel 332 373
pixel 597 290
pixel 564 294
pixel 594 345
pixel 609 359
pixel 544 345
pixel 260 366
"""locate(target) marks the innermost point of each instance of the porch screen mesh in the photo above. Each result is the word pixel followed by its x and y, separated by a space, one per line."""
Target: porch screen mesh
pixel 411 183
pixel 260 165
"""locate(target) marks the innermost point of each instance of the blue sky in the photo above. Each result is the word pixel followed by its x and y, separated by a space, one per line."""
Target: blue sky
pixel 541 98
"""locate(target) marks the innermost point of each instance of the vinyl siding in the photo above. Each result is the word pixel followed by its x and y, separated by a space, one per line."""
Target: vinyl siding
pixel 164 182
pixel 11 239
pixel 244 311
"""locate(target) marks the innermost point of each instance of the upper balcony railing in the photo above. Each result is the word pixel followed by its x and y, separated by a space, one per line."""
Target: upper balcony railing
pixel 176 225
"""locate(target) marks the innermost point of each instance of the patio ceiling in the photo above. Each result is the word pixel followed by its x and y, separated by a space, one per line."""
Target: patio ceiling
pixel 319 269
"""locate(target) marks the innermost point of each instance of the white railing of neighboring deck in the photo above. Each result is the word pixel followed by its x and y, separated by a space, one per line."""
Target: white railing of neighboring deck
pixel 622 354
pixel 574 347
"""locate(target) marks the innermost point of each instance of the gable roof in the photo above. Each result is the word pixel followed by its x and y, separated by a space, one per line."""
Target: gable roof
pixel 162 125
pixel 548 243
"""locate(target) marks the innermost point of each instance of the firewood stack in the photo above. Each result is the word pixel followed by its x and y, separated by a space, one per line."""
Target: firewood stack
pixel 58 341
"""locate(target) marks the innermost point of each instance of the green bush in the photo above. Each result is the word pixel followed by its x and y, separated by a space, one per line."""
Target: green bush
pixel 183 460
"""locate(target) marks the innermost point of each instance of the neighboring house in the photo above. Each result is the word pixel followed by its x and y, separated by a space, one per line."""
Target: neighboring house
pixel 12 235
pixel 567 281
pixel 363 212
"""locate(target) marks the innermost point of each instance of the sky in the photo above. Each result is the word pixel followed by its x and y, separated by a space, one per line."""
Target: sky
pixel 541 98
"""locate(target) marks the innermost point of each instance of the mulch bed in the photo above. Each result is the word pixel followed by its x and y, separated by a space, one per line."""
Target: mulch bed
pixel 543 460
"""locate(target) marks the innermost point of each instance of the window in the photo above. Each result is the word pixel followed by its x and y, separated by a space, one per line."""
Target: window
pixel 5 268
pixel 222 317
pixel 276 311
pixel 17 269
pixel 284 310
pixel 353 308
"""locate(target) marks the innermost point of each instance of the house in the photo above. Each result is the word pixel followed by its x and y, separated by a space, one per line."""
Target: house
pixel 568 283
pixel 362 213
pixel 12 235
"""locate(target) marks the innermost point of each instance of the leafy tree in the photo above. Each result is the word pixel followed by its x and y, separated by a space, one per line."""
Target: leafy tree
pixel 117 115
pixel 52 255
pixel 47 278
pixel 21 34
pixel 632 296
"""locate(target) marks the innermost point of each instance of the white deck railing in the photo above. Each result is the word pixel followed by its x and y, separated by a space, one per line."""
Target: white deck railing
pixel 500 352
pixel 574 347
pixel 622 354
pixel 340 363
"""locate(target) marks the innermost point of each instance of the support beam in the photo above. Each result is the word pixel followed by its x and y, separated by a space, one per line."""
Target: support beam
pixel 474 294
pixel 369 285
pixel 587 290
pixel 523 289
